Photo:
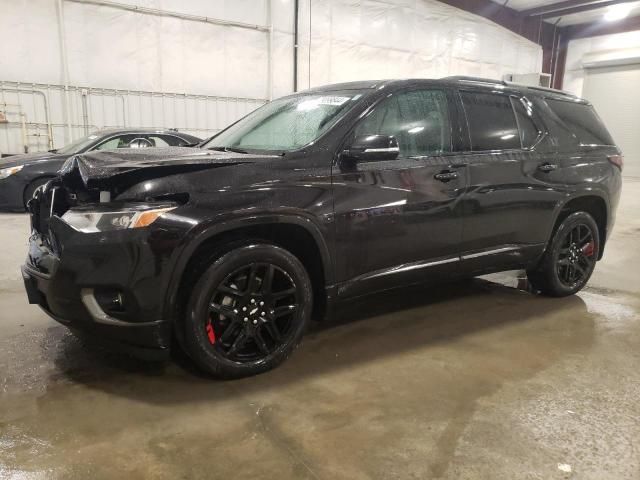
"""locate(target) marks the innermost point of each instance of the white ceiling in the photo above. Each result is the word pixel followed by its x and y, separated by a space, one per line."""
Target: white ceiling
pixel 576 18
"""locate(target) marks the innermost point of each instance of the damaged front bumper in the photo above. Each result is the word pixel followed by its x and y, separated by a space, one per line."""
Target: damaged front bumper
pixel 106 285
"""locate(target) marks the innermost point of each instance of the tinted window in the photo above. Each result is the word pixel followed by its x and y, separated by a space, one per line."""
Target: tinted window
pixel 492 123
pixel 121 141
pixel 419 120
pixel 529 132
pixel 166 141
pixel 582 122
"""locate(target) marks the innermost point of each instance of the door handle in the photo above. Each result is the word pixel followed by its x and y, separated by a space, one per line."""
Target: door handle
pixel 547 167
pixel 446 176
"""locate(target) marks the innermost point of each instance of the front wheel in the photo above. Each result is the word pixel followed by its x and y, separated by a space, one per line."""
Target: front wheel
pixel 570 258
pixel 248 311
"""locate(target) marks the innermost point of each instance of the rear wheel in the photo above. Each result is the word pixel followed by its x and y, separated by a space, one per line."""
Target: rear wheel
pixel 248 311
pixel 31 188
pixel 570 258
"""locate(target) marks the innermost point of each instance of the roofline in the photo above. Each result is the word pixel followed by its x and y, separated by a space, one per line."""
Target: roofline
pixel 451 80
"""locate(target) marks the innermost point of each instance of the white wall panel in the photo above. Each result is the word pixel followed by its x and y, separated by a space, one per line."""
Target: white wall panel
pixel 223 70
pixel 612 90
pixel 613 45
pixel 358 39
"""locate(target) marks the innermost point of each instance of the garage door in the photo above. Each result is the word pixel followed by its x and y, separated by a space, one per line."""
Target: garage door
pixel 614 93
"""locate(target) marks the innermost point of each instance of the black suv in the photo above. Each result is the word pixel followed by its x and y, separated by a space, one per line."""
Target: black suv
pixel 231 248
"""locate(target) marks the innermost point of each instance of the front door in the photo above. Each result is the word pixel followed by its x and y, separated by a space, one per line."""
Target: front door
pixel 397 221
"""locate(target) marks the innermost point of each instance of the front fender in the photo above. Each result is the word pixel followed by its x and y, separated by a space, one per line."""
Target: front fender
pixel 207 229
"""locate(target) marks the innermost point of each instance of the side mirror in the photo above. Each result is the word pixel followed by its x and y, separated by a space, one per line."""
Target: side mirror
pixel 373 148
pixel 140 143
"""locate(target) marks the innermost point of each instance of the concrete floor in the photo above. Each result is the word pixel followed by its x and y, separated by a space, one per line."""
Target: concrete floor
pixel 478 380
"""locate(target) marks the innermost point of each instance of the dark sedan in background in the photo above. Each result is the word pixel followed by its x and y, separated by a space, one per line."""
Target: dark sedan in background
pixel 21 175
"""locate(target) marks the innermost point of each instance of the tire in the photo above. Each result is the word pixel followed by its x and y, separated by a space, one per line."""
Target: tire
pixel 31 188
pixel 228 332
pixel 570 258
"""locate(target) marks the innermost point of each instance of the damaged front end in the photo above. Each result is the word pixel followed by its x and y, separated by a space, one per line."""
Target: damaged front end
pixel 98 270
pixel 100 262
pixel 106 235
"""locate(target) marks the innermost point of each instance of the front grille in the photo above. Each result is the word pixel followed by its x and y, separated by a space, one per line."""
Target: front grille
pixel 48 200
pixel 40 207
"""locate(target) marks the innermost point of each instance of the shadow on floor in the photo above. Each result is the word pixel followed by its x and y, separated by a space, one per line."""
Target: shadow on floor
pixel 366 330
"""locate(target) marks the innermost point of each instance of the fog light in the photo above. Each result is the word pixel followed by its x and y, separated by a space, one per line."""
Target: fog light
pixel 110 300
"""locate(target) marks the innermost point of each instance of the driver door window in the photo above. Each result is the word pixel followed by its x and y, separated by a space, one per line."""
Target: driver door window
pixel 418 119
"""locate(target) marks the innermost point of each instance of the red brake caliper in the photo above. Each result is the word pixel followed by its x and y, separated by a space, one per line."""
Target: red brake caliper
pixel 211 334
pixel 588 249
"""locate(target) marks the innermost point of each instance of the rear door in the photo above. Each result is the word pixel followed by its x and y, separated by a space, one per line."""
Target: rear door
pixel 515 181
pixel 396 222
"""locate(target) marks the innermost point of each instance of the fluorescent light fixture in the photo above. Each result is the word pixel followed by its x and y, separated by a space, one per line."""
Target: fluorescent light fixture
pixel 618 12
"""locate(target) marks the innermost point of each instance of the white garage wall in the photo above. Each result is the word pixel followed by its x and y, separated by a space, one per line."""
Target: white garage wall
pixel 602 47
pixel 364 39
pixel 168 72
pixel 611 83
pixel 135 68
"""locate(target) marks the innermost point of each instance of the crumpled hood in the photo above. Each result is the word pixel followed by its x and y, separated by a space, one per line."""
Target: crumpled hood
pixel 109 168
pixel 26 158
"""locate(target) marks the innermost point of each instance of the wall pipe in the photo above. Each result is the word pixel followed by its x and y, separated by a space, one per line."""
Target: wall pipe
pixel 23 124
pixel 65 68
pixel 296 12
pixel 116 91
pixel 270 51
pixel 85 111
pixel 168 13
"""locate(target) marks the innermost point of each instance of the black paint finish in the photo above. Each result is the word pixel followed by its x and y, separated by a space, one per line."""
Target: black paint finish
pixel 358 224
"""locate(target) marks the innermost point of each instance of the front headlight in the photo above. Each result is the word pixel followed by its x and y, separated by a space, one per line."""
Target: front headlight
pixel 105 221
pixel 7 172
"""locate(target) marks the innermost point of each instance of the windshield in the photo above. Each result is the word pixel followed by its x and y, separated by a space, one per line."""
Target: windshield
pixel 79 144
pixel 287 123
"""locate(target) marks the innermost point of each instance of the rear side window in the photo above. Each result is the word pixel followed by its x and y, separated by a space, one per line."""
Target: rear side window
pixel 492 123
pixel 529 131
pixel 582 123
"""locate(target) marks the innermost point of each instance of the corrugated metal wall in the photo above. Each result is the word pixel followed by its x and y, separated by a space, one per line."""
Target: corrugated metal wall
pixel 71 65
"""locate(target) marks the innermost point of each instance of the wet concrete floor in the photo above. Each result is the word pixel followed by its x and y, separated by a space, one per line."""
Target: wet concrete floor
pixel 476 380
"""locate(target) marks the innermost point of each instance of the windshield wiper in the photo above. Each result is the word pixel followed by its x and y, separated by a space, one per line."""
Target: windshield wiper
pixel 228 149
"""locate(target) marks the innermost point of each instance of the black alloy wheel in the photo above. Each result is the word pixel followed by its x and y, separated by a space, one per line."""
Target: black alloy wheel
pixel 576 256
pixel 248 311
pixel 570 257
pixel 251 313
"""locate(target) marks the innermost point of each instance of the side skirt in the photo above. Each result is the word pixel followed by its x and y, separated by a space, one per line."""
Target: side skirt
pixel 468 264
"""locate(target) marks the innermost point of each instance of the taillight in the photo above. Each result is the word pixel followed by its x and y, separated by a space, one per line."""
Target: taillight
pixel 617 160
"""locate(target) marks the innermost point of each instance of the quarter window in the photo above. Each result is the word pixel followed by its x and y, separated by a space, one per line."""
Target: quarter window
pixel 418 119
pixel 492 123
pixel 581 122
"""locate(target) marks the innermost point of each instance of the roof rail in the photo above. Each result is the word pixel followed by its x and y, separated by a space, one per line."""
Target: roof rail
pixel 545 89
pixel 464 78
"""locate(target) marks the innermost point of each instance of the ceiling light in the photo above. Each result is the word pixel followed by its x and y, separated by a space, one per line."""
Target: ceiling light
pixel 618 12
